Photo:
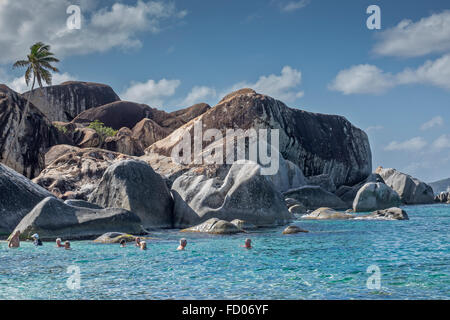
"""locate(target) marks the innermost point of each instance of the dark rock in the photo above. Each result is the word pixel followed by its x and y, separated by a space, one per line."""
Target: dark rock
pixel 18 196
pixel 328 214
pixel 51 219
pixel 348 194
pixel 375 196
pixel 244 225
pixel 65 101
pixel 387 214
pixel 147 132
pixel 313 197
pixel 124 142
pixel 324 181
pixel 82 204
pixel 115 237
pixel 135 186
pixel 214 226
pixel 294 230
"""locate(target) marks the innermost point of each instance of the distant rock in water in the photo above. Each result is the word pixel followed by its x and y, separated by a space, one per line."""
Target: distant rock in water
pixel 330 214
pixel 135 186
pixel 410 190
pixel 375 196
pixel 65 101
pixel 327 214
pixel 23 148
pixel 317 143
pixel 115 237
pixel 440 186
pixel 294 230
pixel 443 197
pixel 386 214
pixel 51 218
pixel 18 196
pixel 348 194
pixel 215 226
pixel 313 197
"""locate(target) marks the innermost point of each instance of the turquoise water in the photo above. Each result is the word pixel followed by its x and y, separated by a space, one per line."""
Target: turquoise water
pixel 330 262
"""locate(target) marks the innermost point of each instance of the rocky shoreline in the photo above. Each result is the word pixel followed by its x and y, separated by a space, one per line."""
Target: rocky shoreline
pixel 62 177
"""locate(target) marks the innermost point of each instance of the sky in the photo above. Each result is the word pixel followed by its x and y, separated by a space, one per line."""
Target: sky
pixel 315 55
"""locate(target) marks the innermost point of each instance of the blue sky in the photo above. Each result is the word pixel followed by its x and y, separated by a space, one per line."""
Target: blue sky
pixel 316 55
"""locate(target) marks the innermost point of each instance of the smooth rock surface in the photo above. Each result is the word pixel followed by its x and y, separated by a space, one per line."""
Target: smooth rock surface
pixel 214 226
pixel 244 225
pixel 294 230
pixel 313 197
pixel 375 196
pixel 327 214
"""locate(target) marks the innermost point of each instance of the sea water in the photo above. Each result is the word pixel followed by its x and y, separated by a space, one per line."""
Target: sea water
pixel 329 262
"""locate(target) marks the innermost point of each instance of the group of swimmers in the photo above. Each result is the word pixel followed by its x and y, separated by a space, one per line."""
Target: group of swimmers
pixel 14 242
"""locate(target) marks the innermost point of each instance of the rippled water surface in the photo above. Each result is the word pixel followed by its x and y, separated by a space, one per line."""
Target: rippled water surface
pixel 329 262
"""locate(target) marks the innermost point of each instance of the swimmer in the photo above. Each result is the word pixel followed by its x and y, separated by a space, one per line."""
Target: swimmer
pixel 59 244
pixel 67 245
pixel 15 240
pixel 36 240
pixel 123 243
pixel 138 242
pixel 183 244
pixel 143 245
pixel 248 243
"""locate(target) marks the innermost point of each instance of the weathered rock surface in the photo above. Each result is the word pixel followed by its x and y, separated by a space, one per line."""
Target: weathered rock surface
pixel 240 192
pixel 51 218
pixel 115 237
pixel 244 225
pixel 324 181
pixel 57 151
pixel 74 175
pixel 317 143
pixel 297 209
pixel 185 115
pixel 214 226
pixel 18 196
pixel 375 196
pixel 294 230
pixel 124 142
pixel 327 214
pixel 443 197
pixel 348 194
pixel 23 148
pixel 135 186
pixel 82 204
pixel 313 197
pixel 410 190
pixel 386 214
pixel 147 132
pixel 65 101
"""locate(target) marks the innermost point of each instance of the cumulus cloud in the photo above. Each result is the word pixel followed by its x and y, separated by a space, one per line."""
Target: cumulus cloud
pixel 199 94
pixel 414 144
pixel 151 92
pixel 18 84
pixel 369 79
pixel 443 142
pixel 435 122
pixel 294 5
pixel 412 39
pixel 284 87
pixel 118 26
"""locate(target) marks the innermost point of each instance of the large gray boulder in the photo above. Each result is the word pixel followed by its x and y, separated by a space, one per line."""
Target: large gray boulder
pixel 316 143
pixel 386 214
pixel 65 101
pixel 410 190
pixel 25 134
pixel 18 196
pixel 240 192
pixel 51 218
pixel 348 193
pixel 135 186
pixel 215 226
pixel 313 197
pixel 324 181
pixel 327 214
pixel 375 196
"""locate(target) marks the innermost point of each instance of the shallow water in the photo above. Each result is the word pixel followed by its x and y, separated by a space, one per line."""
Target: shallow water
pixel 329 262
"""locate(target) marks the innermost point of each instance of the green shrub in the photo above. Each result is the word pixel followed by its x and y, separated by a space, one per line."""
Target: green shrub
pixel 102 130
pixel 61 129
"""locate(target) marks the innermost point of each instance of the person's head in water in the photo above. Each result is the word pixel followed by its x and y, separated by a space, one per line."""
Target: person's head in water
pixel 183 244
pixel 143 245
pixel 138 242
pixel 36 240
pixel 123 243
pixel 67 245
pixel 248 243
pixel 59 243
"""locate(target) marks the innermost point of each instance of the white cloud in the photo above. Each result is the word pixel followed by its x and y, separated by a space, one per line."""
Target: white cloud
pixel 294 5
pixel 119 26
pixel 199 94
pixel 435 122
pixel 413 39
pixel 283 87
pixel 18 84
pixel 151 92
pixel 414 144
pixel 443 142
pixel 369 79
pixel 362 79
pixel 374 128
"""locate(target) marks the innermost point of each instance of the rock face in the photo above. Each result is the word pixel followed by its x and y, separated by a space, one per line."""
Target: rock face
pixel 387 214
pixel 135 186
pixel 240 192
pixel 214 226
pixel 317 143
pixel 375 196
pixel 410 190
pixel 348 194
pixel 313 197
pixel 443 197
pixel 327 214
pixel 244 225
pixel 147 132
pixel 18 196
pixel 294 230
pixel 23 149
pixel 124 142
pixel 115 237
pixel 324 181
pixel 75 174
pixel 65 101
pixel 51 219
